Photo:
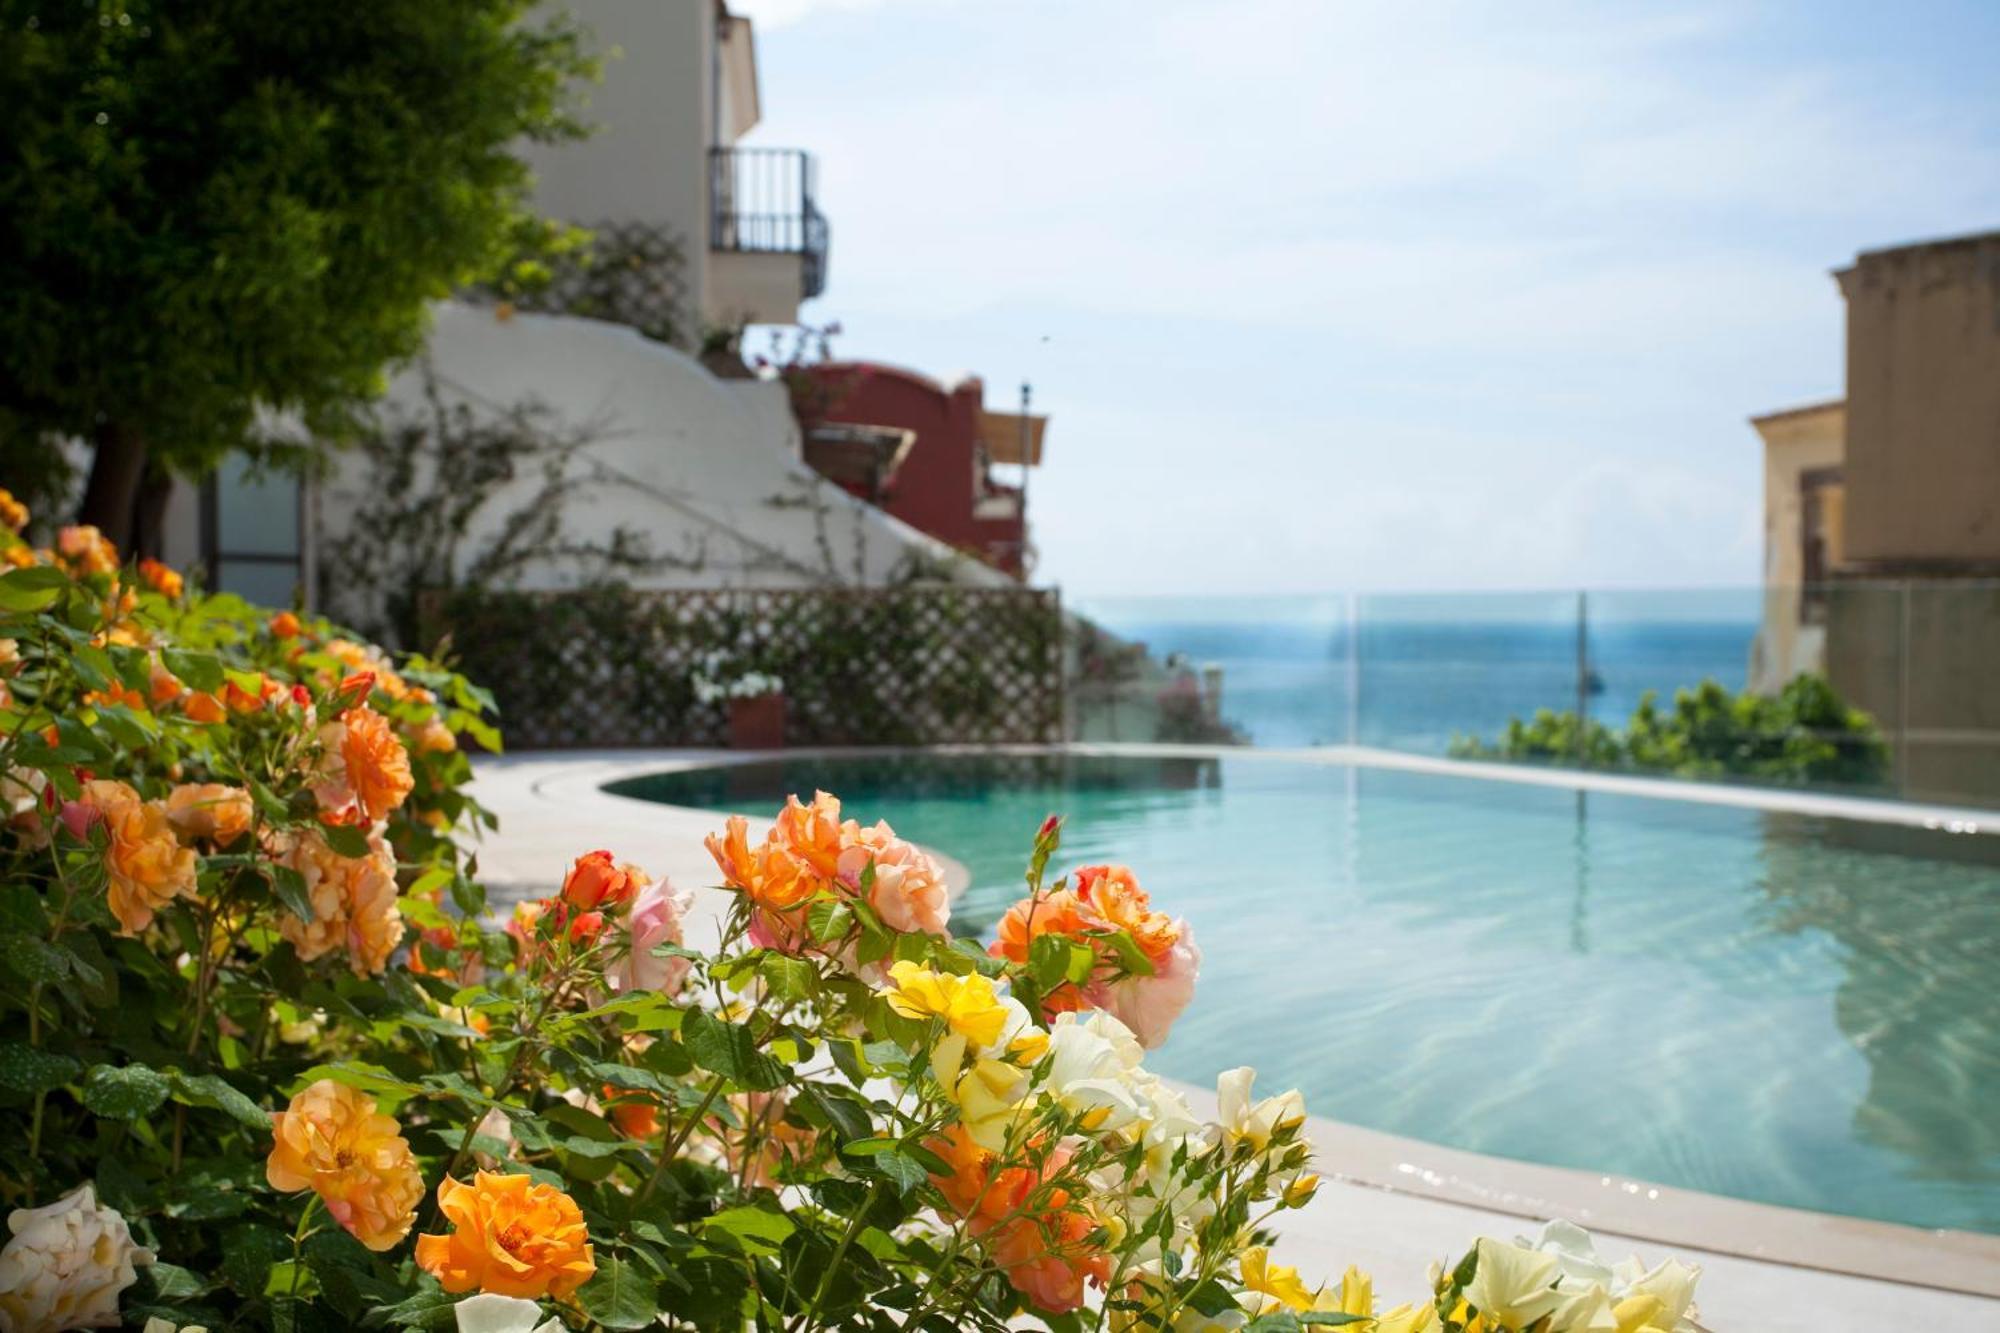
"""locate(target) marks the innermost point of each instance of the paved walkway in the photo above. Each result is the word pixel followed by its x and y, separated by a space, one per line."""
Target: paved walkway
pixel 1389 1205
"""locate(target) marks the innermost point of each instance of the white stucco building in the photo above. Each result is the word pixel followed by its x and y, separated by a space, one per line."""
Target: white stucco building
pixel 708 470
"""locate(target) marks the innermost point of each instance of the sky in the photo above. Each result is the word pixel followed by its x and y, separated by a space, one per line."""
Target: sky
pixel 1330 295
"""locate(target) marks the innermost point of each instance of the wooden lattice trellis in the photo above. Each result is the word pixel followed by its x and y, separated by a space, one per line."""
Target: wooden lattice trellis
pixel 631 273
pixel 922 665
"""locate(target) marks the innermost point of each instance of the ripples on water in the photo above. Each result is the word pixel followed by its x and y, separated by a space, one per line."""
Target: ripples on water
pixel 1799 1011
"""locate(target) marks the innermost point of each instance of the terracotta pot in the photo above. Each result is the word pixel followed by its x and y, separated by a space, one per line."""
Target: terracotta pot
pixel 757 723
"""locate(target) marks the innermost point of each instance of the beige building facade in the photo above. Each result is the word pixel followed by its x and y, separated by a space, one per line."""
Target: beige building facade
pixel 1804 507
pixel 1882 517
pixel 679 92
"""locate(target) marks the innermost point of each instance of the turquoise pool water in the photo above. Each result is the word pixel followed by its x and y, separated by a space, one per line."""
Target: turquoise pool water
pixel 1798 1011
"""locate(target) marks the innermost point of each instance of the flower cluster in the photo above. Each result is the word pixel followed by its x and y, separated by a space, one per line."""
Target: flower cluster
pixel 811 854
pixel 274 1065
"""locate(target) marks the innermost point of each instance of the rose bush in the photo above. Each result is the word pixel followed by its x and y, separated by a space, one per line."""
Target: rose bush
pixel 271 1064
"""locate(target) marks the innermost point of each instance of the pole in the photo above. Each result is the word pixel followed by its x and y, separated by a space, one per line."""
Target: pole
pixel 1027 466
pixel 1582 677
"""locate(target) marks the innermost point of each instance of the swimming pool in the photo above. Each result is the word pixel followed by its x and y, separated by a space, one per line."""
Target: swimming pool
pixel 1794 1010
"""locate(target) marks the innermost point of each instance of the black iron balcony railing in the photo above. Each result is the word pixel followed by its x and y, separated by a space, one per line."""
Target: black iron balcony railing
pixel 762 200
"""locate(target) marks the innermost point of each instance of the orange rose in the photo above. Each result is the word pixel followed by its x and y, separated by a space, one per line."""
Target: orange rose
pixel 633 1113
pixel 161 685
pixel 204 708
pixel 1048 1256
pixel 1044 1251
pixel 13 514
pixel 241 700
pixel 146 866
pixel 160 577
pixel 1112 894
pixel 595 882
pixel 353 900
pixel 285 625
pixel 85 550
pixel 117 694
pixel 366 767
pixel 772 877
pixel 813 833
pixel 434 737
pixel 331 1141
pixel 210 810
pixel 511 1236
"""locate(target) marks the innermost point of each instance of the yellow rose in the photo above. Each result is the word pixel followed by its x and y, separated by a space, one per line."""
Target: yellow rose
pixel 967 1004
pixel 330 1140
pixel 1281 1287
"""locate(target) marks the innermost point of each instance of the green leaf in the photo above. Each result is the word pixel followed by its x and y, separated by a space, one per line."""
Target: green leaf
pixel 124 1093
pixel 32 958
pixel 172 1282
pixel 214 1093
pixel 290 887
pixel 898 1168
pixel 843 1108
pixel 432 1309
pixel 829 919
pixel 728 1049
pixel 32 589
pixel 25 1071
pixel 620 1295
pixel 197 671
pixel 1052 960
pixel 868 1147
pixel 752 1227
pixel 249 1252
pixel 346 840
pixel 789 979
pixel 1211 1298
pixel 1130 956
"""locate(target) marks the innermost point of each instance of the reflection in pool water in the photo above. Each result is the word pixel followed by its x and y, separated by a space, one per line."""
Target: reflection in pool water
pixel 1799 1011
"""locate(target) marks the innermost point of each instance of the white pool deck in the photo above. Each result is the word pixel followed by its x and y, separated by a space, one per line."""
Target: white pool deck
pixel 1388 1204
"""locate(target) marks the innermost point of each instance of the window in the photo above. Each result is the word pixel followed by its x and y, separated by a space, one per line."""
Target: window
pixel 1820 496
pixel 251 533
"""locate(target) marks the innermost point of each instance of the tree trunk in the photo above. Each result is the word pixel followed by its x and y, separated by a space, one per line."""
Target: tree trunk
pixel 149 512
pixel 110 497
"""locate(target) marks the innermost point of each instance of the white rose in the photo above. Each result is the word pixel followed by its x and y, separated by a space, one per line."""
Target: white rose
pixel 493 1313
pixel 1256 1122
pixel 66 1265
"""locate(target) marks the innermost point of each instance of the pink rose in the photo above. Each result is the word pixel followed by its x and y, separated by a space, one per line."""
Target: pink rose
pixel 909 890
pixel 657 914
pixel 1149 1005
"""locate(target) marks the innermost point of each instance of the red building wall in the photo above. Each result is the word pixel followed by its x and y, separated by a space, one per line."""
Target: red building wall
pixel 939 482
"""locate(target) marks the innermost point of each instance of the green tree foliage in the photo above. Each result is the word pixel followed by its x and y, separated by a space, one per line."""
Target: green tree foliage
pixel 215 209
pixel 1806 734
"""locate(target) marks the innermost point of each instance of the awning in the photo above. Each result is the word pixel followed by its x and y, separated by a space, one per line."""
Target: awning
pixel 1001 433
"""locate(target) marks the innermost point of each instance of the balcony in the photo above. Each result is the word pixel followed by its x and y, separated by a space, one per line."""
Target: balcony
pixel 766 236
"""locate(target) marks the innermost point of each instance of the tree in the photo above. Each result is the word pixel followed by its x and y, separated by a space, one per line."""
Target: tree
pixel 213 211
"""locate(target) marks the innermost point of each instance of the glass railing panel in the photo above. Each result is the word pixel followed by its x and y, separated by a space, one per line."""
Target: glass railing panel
pixel 1435 669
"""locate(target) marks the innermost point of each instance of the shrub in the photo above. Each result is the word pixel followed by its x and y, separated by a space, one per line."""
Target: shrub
pixel 1806 734
pixel 271 1065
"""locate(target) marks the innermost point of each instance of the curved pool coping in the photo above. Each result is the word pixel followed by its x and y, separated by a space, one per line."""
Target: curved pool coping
pixel 1941 1259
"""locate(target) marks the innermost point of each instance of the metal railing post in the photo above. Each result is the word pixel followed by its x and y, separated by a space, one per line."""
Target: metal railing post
pixel 1582 677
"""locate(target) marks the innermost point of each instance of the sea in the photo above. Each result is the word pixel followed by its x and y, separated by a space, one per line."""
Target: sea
pixel 1411 672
